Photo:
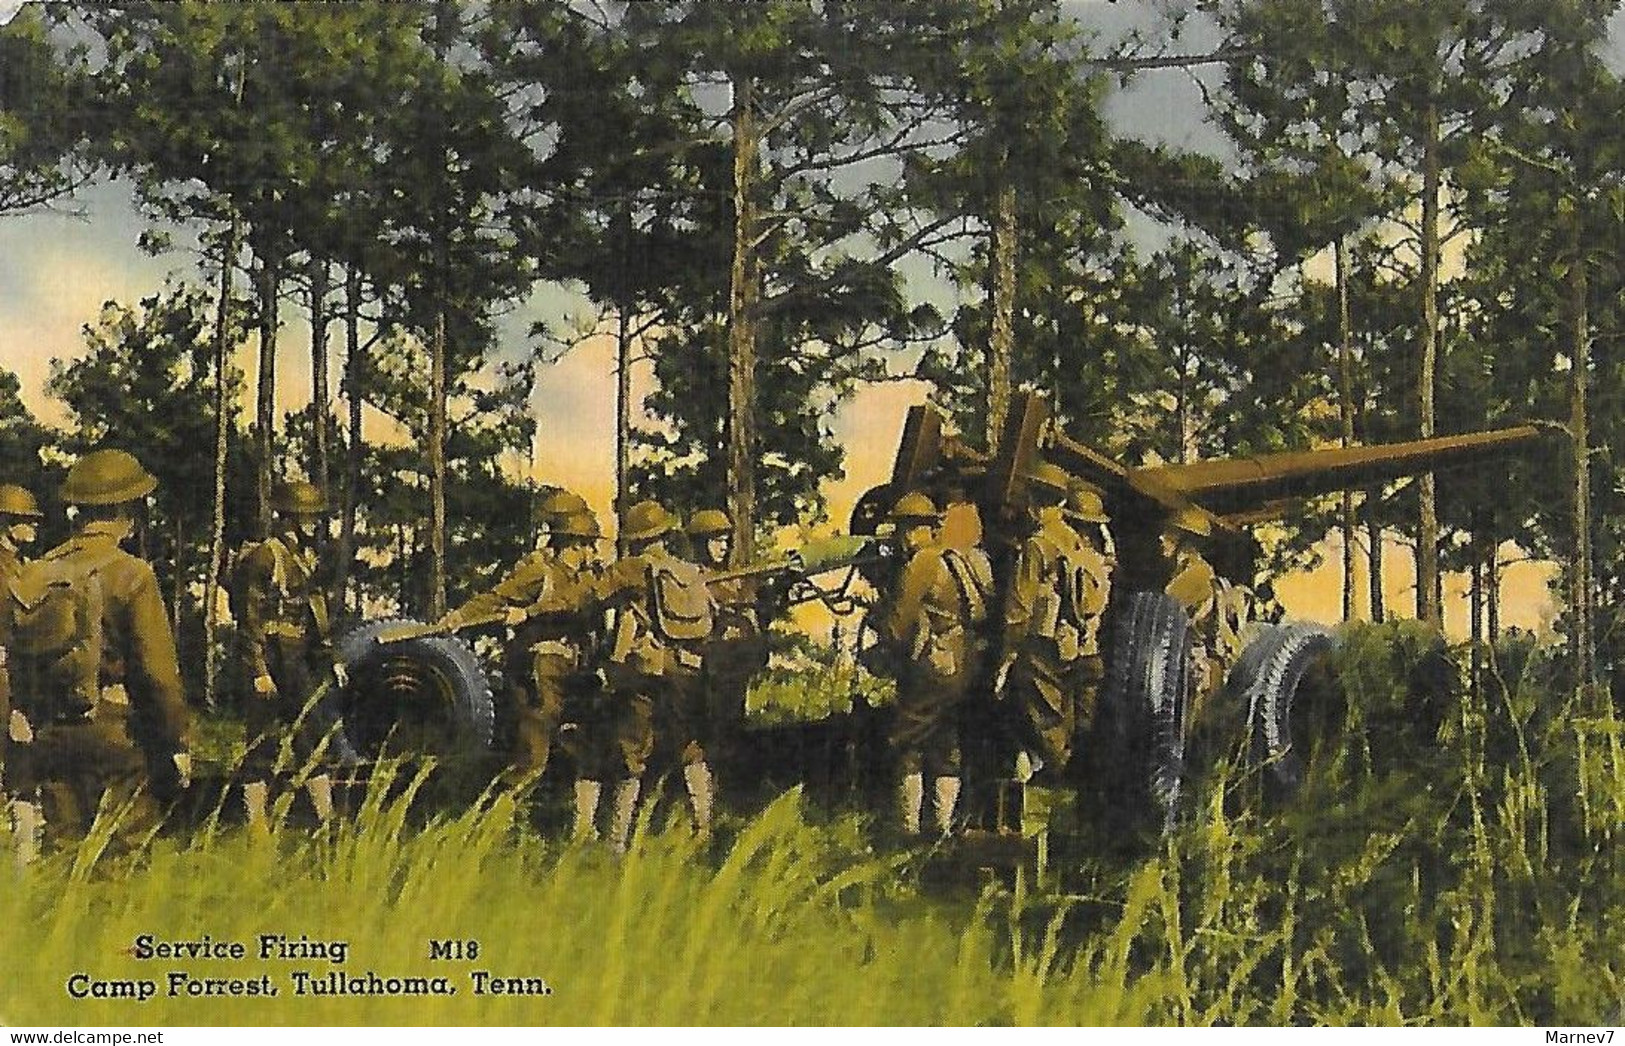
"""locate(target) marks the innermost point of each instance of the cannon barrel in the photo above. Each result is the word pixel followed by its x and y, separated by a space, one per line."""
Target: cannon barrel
pixel 1233 486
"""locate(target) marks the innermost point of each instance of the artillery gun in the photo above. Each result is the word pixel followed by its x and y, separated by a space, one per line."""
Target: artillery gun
pixel 1133 754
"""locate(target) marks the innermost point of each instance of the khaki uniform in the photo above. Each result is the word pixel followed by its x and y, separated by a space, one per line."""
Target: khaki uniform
pixel 1057 596
pixel 547 658
pixel 738 650
pixel 1219 609
pixel 10 564
pixel 657 701
pixel 286 634
pixel 137 721
pixel 929 626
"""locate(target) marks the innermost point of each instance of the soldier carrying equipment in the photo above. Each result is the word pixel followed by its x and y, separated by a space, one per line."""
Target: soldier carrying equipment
pixel 663 616
pixel 280 605
pixel 1052 666
pixel 546 601
pixel 93 663
pixel 928 624
pixel 19 518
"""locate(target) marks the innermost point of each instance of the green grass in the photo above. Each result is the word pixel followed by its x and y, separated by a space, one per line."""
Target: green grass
pixel 1464 872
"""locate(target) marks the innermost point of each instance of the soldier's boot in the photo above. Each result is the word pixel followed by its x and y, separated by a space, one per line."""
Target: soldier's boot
pixel 320 790
pixel 27 829
pixel 256 803
pixel 626 807
pixel 911 796
pixel 701 791
pixel 587 794
pixel 946 798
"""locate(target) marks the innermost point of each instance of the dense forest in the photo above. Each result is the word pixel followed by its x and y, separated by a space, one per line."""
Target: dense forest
pixel 1415 231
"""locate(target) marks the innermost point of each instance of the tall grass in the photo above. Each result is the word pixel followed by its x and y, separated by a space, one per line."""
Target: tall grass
pixel 1449 860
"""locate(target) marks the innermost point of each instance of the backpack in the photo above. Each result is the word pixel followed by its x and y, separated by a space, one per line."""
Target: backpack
pixel 53 625
pixel 683 610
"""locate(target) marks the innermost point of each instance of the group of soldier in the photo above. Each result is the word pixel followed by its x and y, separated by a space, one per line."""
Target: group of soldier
pixel 652 650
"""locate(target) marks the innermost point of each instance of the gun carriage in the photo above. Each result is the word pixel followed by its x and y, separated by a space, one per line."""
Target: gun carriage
pixel 426 690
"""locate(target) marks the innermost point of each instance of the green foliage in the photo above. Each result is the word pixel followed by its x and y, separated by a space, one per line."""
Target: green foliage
pixel 1450 861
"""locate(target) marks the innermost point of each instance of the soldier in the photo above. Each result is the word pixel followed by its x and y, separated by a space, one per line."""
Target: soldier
pixel 93 662
pixel 929 625
pixel 1052 665
pixel 663 616
pixel 738 647
pixel 19 526
pixel 19 513
pixel 287 637
pixel 546 601
pixel 1217 607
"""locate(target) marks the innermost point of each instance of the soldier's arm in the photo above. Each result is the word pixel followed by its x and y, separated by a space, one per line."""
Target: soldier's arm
pixel 903 620
pixel 152 670
pixel 620 583
pixel 516 589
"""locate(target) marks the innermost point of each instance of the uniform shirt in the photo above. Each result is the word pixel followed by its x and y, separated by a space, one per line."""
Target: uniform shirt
pixel 543 583
pixel 1039 605
pixel 281 595
pixel 138 649
pixel 625 588
pixel 934 609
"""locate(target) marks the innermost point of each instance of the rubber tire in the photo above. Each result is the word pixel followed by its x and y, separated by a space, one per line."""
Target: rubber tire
pixel 1266 681
pixel 1145 704
pixel 439 672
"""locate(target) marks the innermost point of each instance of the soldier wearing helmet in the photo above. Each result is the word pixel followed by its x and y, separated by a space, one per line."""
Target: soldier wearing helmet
pixel 663 615
pixel 1219 609
pixel 738 649
pixel 279 599
pixel 19 527
pixel 928 625
pixel 1052 666
pixel 93 664
pixel 546 603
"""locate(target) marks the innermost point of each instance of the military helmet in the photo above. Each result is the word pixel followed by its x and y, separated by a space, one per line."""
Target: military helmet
pixel 107 477
pixel 16 501
pixel 298 498
pixel 709 522
pixel 559 502
pixel 583 524
pixel 1049 479
pixel 647 519
pixel 915 506
pixel 1190 521
pixel 1086 502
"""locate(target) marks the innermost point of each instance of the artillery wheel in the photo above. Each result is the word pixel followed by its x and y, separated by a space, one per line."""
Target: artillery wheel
pixel 1267 680
pixel 1141 723
pixel 423 696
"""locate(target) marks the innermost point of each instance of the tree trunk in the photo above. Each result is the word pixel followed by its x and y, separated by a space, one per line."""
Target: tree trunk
pixel 1345 398
pixel 354 385
pixel 744 293
pixel 1373 539
pixel 1492 591
pixel 1475 601
pixel 320 280
pixel 1002 326
pixel 177 581
pixel 437 470
pixel 623 420
pixel 265 402
pixel 1580 595
pixel 1427 529
pixel 222 428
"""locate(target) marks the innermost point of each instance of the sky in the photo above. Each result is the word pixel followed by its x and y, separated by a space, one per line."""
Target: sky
pixel 58 268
